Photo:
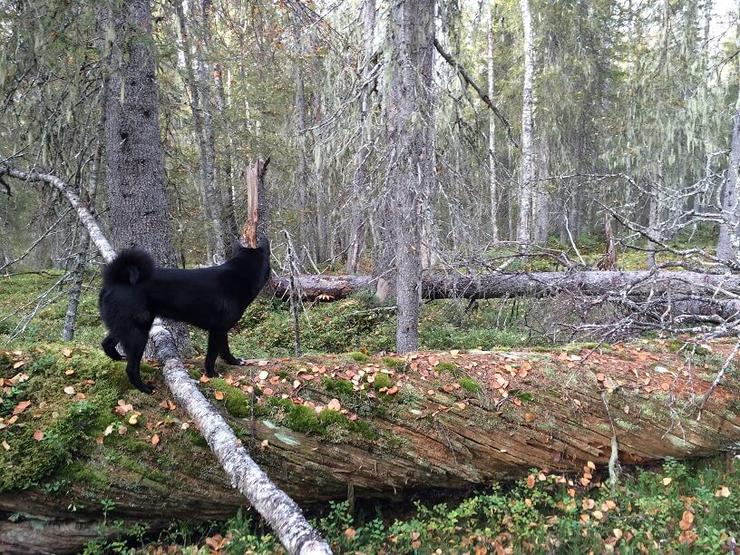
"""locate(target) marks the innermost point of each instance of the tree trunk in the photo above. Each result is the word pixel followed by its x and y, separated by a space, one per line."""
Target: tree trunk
pixel 410 122
pixel 520 410
pixel 228 192
pixel 524 229
pixel 728 245
pixel 75 289
pixel 541 211
pixel 80 264
pixel 302 174
pixel 362 155
pixel 199 87
pixel 492 185
pixel 653 227
pixel 139 213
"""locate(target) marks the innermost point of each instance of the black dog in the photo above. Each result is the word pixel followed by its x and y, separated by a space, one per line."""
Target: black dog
pixel 135 292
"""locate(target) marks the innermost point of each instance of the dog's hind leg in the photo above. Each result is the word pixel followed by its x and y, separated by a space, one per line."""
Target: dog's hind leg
pixel 109 347
pixel 134 343
pixel 224 351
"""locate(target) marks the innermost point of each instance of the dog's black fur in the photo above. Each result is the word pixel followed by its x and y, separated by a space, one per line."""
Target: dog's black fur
pixel 135 292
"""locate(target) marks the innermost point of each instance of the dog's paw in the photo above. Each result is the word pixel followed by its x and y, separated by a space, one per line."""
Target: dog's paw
pixel 145 388
pixel 235 361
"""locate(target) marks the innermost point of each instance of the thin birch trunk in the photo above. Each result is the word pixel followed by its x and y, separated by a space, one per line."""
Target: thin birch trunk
pixel 319 190
pixel 227 178
pixel 198 81
pixel 524 229
pixel 362 155
pixel 492 184
pixel 302 171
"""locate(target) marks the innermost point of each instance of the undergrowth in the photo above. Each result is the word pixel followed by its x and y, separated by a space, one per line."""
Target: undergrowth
pixel 645 513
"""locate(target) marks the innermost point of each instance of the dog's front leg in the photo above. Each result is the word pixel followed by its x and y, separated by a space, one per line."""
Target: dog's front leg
pixel 225 352
pixel 213 349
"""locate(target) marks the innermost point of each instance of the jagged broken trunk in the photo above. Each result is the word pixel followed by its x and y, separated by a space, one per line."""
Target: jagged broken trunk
pixel 390 427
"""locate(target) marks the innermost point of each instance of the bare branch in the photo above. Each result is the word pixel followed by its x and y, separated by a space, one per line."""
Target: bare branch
pixel 483 96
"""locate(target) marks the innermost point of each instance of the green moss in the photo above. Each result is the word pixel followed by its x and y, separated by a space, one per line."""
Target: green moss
pixel 302 419
pixel 470 385
pixel 408 395
pixel 337 386
pixel 359 357
pixel 450 367
pixel 327 423
pixel 236 401
pixel 382 380
pixel 28 461
pixel 395 363
pixel 195 438
pixel 446 367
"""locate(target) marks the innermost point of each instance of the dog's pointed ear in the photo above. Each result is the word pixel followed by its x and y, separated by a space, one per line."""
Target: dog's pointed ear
pixel 264 244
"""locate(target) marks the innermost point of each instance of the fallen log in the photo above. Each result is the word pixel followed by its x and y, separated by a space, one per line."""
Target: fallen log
pixel 438 285
pixel 389 427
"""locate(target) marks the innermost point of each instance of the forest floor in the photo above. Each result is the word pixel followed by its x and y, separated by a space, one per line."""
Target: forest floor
pixel 677 507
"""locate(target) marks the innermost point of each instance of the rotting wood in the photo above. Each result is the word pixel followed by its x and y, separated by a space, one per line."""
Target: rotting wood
pixel 533 409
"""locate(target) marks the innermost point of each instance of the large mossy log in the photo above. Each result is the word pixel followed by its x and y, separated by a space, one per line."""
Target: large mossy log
pixel 389 426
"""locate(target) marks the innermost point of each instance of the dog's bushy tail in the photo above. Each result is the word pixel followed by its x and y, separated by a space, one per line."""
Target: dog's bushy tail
pixel 130 267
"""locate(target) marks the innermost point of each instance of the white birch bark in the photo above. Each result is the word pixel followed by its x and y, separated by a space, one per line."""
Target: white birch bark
pixel 524 229
pixel 492 185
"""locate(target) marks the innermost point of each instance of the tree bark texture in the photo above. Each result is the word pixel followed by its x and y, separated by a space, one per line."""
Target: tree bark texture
pixel 728 246
pixel 410 115
pixel 492 184
pixel 228 193
pixel 302 172
pixel 362 154
pixel 200 95
pixel 436 285
pixel 524 227
pixel 531 410
pixel 139 212
pixel 75 288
